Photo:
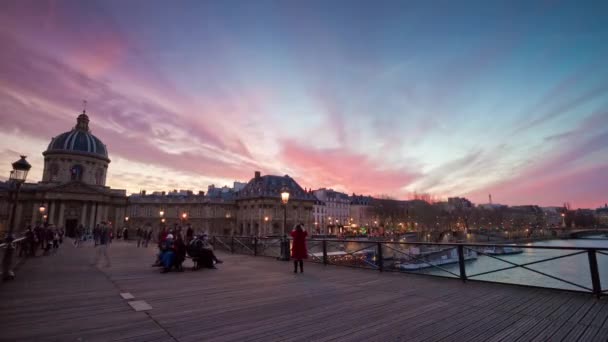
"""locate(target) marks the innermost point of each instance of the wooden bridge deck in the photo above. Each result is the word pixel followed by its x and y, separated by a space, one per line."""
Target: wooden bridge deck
pixel 63 298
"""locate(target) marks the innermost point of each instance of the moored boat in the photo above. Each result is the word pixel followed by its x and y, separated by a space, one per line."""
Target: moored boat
pixel 417 260
pixel 501 250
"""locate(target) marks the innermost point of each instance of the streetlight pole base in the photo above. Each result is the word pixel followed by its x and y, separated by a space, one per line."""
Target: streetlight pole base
pixel 284 250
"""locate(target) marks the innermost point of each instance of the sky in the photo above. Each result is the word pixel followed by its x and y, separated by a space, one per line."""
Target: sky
pixel 449 98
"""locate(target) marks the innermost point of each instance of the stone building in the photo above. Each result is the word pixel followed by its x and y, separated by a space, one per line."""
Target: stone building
pixel 319 213
pixel 73 192
pixel 260 211
pixel 73 189
pixel 361 212
pixel 213 214
pixel 337 209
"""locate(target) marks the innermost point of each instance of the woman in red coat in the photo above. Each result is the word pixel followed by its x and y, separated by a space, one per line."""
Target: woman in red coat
pixel 298 250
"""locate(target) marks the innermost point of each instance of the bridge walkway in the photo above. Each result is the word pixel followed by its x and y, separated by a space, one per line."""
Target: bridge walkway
pixel 63 297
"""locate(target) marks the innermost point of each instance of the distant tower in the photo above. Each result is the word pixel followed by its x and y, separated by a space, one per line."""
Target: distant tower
pixel 490 198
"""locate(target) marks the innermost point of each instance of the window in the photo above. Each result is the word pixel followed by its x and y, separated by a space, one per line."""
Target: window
pixel 76 173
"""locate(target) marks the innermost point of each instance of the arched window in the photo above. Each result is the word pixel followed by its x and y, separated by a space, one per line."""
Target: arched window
pixel 54 171
pixel 99 177
pixel 76 173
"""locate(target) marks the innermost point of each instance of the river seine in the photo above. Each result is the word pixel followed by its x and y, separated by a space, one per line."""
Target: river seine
pixel 573 269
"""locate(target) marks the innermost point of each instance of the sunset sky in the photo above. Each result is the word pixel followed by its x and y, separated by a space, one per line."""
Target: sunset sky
pixel 451 98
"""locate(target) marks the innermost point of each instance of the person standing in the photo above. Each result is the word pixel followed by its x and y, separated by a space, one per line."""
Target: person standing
pixel 189 234
pixel 30 238
pixel 299 251
pixel 148 237
pixel 102 247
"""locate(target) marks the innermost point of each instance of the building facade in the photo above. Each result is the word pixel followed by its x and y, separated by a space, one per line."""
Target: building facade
pixel 319 213
pixel 360 211
pixel 337 209
pixel 210 214
pixel 73 189
pixel 260 211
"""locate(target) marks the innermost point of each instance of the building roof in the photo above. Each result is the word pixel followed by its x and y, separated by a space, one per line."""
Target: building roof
pixel 360 200
pixel 271 187
pixel 79 140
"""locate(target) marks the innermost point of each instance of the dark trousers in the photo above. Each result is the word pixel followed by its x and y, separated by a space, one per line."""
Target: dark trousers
pixel 295 266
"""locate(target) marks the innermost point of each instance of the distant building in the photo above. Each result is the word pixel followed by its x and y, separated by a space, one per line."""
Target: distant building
pixel 602 215
pixel 553 216
pixel 319 213
pixel 73 189
pixel 211 214
pixel 337 206
pixel 459 203
pixel 492 206
pixel 261 199
pixel 361 211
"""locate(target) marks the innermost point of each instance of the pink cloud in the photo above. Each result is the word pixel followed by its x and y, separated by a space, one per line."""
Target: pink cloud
pixel 355 172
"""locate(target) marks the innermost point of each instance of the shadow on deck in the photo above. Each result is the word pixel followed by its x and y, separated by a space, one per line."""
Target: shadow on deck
pixel 64 298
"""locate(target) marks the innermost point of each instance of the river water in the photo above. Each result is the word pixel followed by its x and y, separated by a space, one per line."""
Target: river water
pixel 574 269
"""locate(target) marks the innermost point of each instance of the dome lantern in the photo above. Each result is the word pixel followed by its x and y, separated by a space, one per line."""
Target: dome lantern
pixel 78 141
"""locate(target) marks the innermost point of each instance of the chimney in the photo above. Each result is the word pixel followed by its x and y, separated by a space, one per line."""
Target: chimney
pixel 201 193
pixel 163 193
pixel 143 192
pixel 257 175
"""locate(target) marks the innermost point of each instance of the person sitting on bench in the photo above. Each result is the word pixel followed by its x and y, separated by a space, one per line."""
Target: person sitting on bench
pixel 180 253
pixel 201 252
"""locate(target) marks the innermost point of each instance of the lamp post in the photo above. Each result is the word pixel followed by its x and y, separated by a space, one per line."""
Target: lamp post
pixel 285 242
pixel 266 218
pixel 17 177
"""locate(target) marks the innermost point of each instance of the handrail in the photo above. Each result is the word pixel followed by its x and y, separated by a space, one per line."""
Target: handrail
pixel 17 240
pixel 452 244
pixel 592 252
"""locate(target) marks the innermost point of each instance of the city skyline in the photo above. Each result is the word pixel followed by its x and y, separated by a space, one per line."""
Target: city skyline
pixel 386 99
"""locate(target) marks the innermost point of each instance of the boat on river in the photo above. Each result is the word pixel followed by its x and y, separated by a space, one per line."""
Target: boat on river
pixel 417 260
pixel 501 250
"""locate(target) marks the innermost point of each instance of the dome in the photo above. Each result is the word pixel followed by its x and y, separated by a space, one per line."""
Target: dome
pixel 79 140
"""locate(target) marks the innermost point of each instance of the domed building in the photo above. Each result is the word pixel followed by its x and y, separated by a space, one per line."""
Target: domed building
pixel 73 192
pixel 73 189
pixel 76 155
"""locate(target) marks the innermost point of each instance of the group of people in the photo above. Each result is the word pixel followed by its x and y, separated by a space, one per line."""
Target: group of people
pixel 174 244
pixel 102 235
pixel 42 237
pixel 143 237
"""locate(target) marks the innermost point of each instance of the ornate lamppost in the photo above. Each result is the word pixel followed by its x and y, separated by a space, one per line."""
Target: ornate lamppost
pixel 285 241
pixel 17 177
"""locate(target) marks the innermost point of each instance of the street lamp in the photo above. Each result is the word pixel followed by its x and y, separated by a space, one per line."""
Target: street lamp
pixel 285 243
pixel 161 213
pixel 42 209
pixel 17 177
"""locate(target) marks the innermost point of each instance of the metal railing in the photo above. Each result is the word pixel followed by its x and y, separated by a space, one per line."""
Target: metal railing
pixel 19 253
pixel 580 269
